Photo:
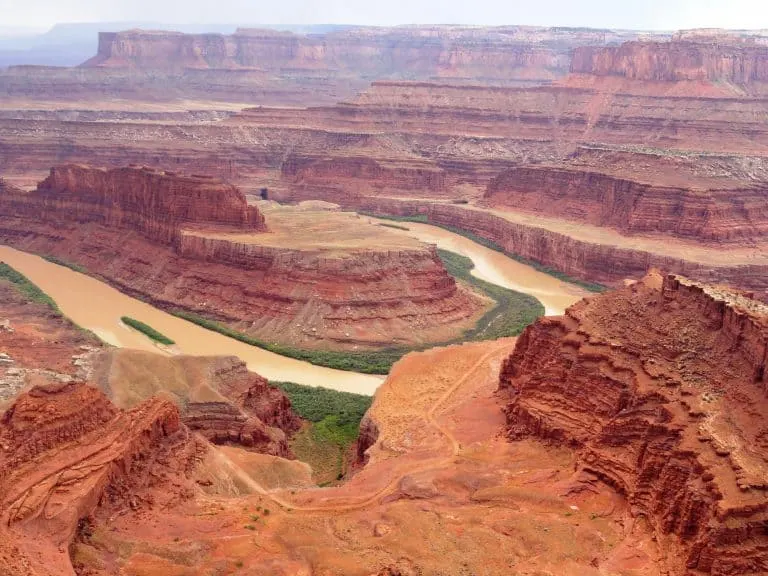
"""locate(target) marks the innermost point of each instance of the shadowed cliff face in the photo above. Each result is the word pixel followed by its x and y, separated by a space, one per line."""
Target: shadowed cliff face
pixel 662 389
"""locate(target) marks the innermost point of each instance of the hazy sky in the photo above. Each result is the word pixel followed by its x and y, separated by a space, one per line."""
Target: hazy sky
pixel 637 14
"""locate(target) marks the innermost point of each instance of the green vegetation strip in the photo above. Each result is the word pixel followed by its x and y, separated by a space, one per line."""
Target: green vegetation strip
pixel 34 294
pixel 335 423
pixel 393 226
pixel 317 404
pixel 372 362
pixel 70 265
pixel 424 219
pixel 513 310
pixel 26 287
pixel 147 330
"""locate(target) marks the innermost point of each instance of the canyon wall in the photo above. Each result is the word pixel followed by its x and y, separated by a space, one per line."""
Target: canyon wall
pixel 365 174
pixel 715 61
pixel 443 136
pixel 452 51
pixel 190 243
pixel 153 202
pixel 66 450
pixel 597 262
pixel 661 388
pixel 632 206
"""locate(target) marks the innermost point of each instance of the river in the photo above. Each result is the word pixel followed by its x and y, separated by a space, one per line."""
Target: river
pixel 495 267
pixel 98 307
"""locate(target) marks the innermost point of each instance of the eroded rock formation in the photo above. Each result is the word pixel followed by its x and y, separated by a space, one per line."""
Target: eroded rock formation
pixel 717 60
pixel 65 449
pixel 155 203
pixel 217 396
pixel 517 52
pixel 596 256
pixel 661 387
pixel 699 210
pixel 195 243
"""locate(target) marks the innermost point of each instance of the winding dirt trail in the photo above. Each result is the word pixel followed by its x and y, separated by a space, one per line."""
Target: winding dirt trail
pixel 430 416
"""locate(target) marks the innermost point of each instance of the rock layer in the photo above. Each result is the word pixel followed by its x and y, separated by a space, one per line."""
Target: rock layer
pixel 524 53
pixel 217 396
pixel 190 243
pixel 155 203
pixel 65 450
pixel 661 387
pixel 587 259
pixel 633 206
pixel 714 61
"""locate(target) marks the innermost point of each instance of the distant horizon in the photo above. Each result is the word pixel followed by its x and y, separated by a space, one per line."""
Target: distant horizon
pixel 169 26
pixel 643 15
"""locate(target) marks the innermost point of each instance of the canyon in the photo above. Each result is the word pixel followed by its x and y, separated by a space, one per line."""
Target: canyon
pixel 631 443
pixel 669 413
pixel 624 433
pixel 195 243
pixel 687 148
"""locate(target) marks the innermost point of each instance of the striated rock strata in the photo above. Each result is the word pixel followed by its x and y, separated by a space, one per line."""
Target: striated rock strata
pixel 519 52
pixel 64 450
pixel 195 243
pixel 155 203
pixel 702 212
pixel 719 60
pixel 217 396
pixel 593 259
pixel 661 387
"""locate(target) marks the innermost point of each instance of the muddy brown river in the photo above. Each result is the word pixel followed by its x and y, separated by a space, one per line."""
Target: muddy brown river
pixel 499 269
pixel 98 307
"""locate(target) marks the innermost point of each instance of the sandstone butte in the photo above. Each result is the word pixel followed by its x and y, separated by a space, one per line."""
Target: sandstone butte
pixel 194 242
pixel 660 388
pixel 633 444
pixel 623 123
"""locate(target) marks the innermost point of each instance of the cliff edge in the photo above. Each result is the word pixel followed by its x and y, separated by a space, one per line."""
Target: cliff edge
pixel 661 388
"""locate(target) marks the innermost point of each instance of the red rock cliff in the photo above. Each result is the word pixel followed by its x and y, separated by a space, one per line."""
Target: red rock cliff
pixel 154 202
pixel 632 206
pixel 364 173
pixel 674 61
pixel 64 449
pixel 592 261
pixel 661 387
pixel 191 247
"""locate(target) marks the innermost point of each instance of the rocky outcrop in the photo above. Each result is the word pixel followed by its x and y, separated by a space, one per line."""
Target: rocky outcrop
pixel 155 203
pixel 714 61
pixel 364 174
pixel 194 247
pixel 65 449
pixel 216 395
pixel 661 388
pixel 633 206
pixel 38 345
pixel 224 423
